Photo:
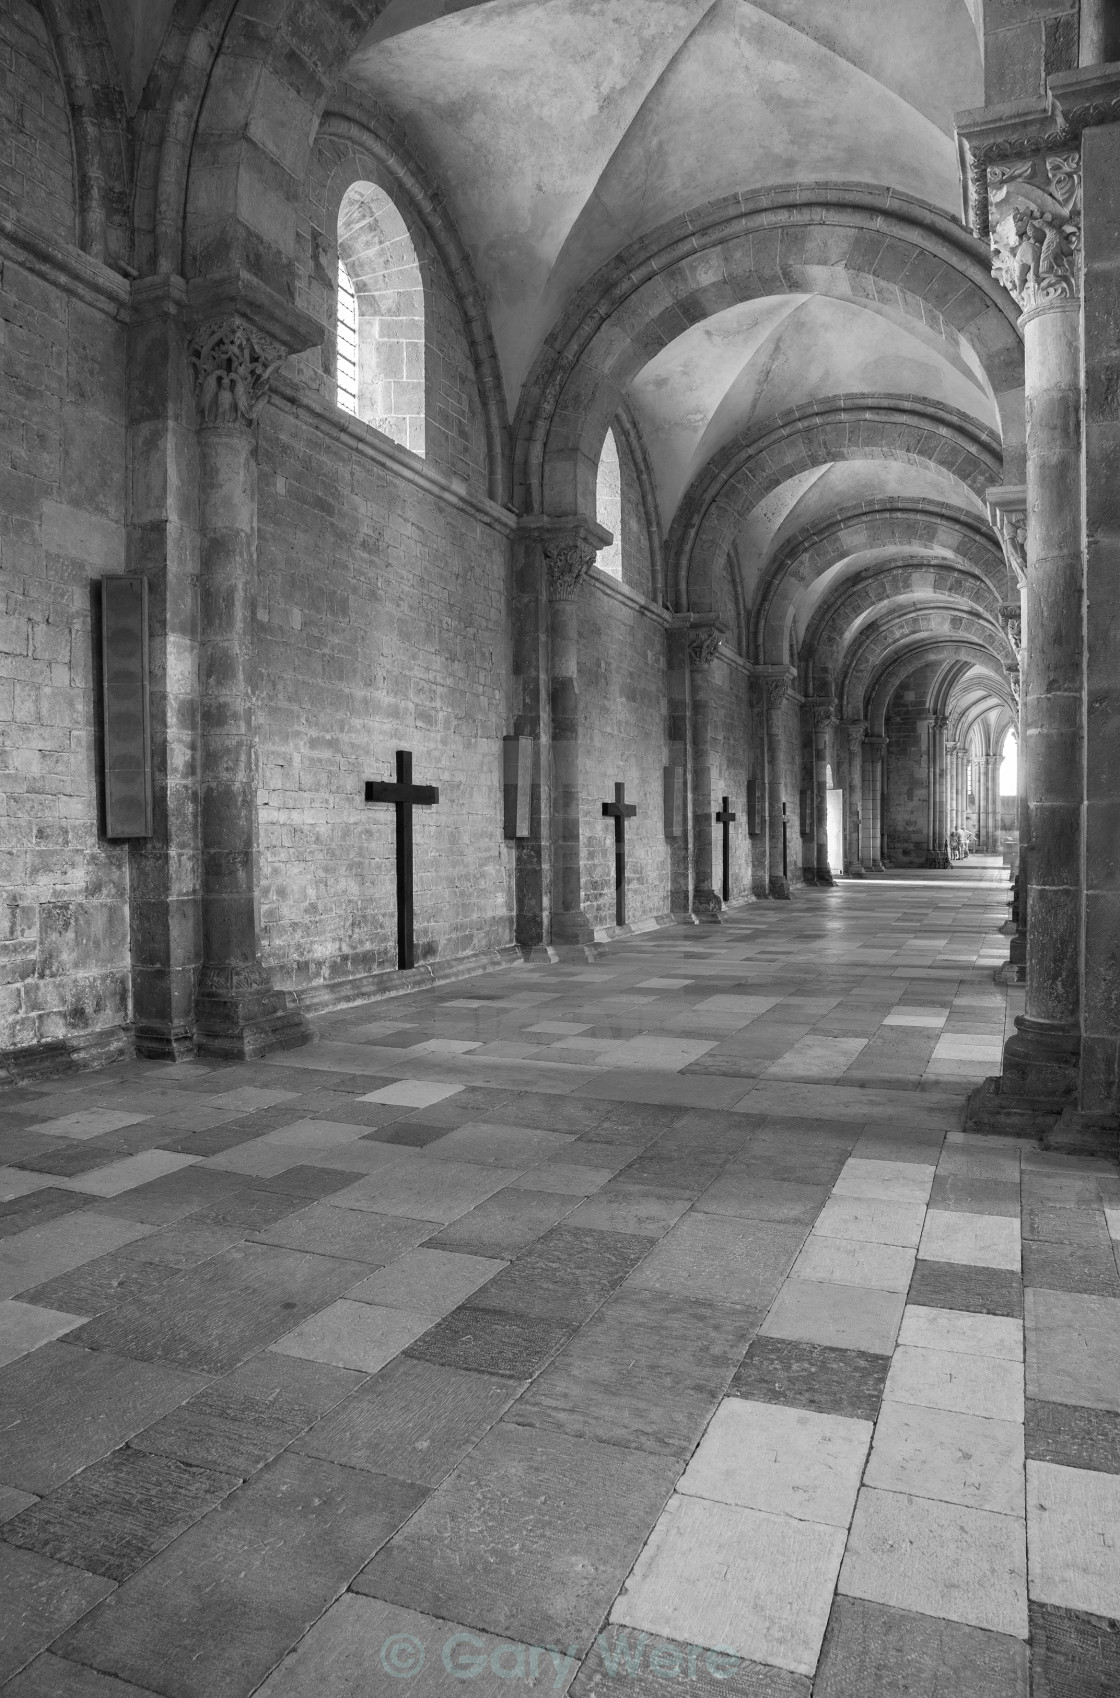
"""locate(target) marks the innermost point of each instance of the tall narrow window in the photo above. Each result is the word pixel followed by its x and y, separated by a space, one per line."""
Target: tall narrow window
pixel 347 338
pixel 378 262
pixel 608 506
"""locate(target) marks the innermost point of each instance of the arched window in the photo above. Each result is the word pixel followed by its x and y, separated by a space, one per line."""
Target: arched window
pixel 377 262
pixel 608 506
pixel 347 364
pixel 1009 766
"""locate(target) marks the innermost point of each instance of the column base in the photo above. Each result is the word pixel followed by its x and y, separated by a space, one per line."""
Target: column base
pixel 239 1016
pixel 1041 1061
pixel 824 875
pixel 571 929
pixel 1017 952
pixel 808 875
pixel 938 859
pixel 779 888
pixel 989 1114
pixel 157 1041
pixel 707 908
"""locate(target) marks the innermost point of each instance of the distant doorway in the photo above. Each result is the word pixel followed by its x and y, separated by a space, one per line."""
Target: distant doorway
pixel 836 830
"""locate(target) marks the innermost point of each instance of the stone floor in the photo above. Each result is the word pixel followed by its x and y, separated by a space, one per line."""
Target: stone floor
pixel 572 1329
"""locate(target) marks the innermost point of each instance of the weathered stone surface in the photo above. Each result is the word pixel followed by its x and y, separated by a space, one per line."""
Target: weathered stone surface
pixel 812 1376
pixel 41 1598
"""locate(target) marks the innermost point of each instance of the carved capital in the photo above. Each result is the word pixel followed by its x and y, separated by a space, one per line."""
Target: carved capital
pixel 824 715
pixel 1011 619
pixel 703 641
pixel 855 729
pixel 1035 227
pixel 777 692
pixel 941 723
pixel 877 746
pixel 567 562
pixel 232 365
pixel 1012 523
pixel 1013 679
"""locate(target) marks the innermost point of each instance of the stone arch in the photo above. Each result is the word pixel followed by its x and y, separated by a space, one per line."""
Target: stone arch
pixel 101 151
pixel 908 527
pixel 629 432
pixel 861 599
pixel 917 655
pixel 837 428
pixel 882 670
pixel 853 241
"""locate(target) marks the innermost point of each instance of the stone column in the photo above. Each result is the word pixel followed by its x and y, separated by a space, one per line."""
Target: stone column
pixel 777 692
pixel 1035 220
pixel 877 748
pixel 569 554
pixel 1099 40
pixel 703 642
pixel 927 755
pixel 760 839
pixel 237 1011
pixel 680 755
pixel 824 718
pixel 855 729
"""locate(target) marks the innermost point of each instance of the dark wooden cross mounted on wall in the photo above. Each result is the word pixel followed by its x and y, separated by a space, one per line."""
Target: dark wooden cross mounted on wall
pixel 620 810
pixel 405 796
pixel 725 818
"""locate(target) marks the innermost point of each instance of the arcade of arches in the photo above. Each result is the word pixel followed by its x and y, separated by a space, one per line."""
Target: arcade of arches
pixel 713 398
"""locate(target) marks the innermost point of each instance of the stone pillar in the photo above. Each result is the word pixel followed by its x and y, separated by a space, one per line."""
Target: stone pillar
pixel 703 642
pixel 777 692
pixel 569 554
pixel 824 718
pixel 877 748
pixel 165 869
pixel 760 838
pixel 680 755
pixel 237 1011
pixel 855 729
pixel 1099 40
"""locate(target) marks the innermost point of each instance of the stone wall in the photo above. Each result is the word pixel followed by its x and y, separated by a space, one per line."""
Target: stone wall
pixel 383 623
pixel 623 739
pixel 733 762
pixel 36 158
pixel 907 771
pixel 63 376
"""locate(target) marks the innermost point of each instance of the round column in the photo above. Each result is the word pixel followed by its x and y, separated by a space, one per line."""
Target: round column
pixel 824 717
pixel 777 692
pixel 876 748
pixel 568 558
pixel 855 729
pixel 703 642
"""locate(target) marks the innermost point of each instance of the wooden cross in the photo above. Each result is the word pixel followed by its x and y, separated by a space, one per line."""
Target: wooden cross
pixel 724 818
pixel 620 810
pixel 405 796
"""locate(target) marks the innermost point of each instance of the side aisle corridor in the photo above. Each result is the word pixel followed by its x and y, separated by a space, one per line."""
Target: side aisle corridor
pixel 640 1325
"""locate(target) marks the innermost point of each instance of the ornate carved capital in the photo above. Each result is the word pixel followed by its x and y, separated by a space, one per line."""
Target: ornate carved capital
pixel 824 715
pixel 232 364
pixel 1011 619
pixel 855 729
pixel 1013 679
pixel 567 561
pixel 1035 227
pixel 941 722
pixel 703 641
pixel 777 691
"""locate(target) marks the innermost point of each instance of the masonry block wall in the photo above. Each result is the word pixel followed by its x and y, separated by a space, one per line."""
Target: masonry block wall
pixel 792 778
pixel 36 163
pixel 731 767
pixel 907 819
pixel 64 889
pixel 383 624
pixel 623 739
pixel 637 561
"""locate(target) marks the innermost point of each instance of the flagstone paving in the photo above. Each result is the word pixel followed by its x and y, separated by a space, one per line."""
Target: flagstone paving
pixel 639 1325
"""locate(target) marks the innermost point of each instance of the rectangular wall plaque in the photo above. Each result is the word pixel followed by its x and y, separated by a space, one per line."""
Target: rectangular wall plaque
pixel 125 706
pixel 674 801
pixel 517 785
pixel 753 822
pixel 806 813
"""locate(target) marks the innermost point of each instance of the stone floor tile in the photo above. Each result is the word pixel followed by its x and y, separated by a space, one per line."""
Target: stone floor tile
pixel 212 1317
pixel 25 1326
pixel 973 1335
pixel 39 1208
pixel 937 1453
pixel 488 1341
pixel 41 1599
pixel 646 1663
pixel 1086 1227
pixel 875 1651
pixel 1073 1348
pixel 972 1290
pixel 1090 1270
pixel 950 1379
pixel 711 1256
pixel 239 1422
pixel 1073 1436
pixel 414 1420
pixel 530 1537
pixel 421 1189
pixel 871 1221
pixel 735 1579
pixel 1074 1655
pixel 363 1336
pixel 119 1176
pixel 566 1274
pixel 499 1145
pixel 17 1182
pixel 637 1209
pixel 787 1461
pixel 30 1258
pixel 812 1376
pixel 504 1224
pixel 939 1559
pixel 844 1261
pixel 412 1093
pixel 354 1235
pixel 1073 1527
pixel 956 1195
pixel 645 1372
pixel 103 1283
pixel 362 1641
pixel 990 1241
pixel 848 1316
pixel 12 1501
pixel 219 1607
pixel 429 1281
pixel 115 1515
pixel 54 1677
pixel 64 1408
pixel 570 1178
pixel 751 1196
pixel 88 1123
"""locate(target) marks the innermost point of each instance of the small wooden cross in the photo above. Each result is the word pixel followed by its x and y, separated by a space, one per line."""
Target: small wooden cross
pixel 724 818
pixel 620 810
pixel 405 796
